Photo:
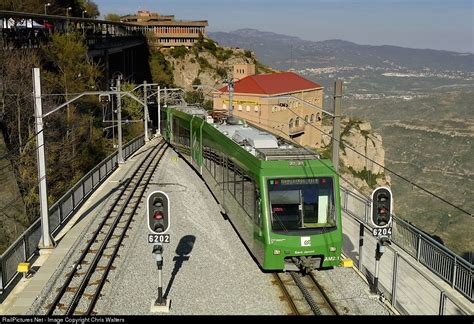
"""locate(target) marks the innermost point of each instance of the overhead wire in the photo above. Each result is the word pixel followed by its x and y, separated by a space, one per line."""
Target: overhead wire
pixel 340 142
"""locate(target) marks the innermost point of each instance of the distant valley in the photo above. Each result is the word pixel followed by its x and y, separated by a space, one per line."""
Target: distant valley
pixel 419 100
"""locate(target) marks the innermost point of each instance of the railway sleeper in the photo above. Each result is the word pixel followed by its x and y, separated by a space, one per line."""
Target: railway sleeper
pixel 90 251
pixel 88 296
pixel 102 268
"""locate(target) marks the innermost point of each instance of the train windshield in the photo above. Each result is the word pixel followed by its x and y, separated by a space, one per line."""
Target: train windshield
pixel 302 204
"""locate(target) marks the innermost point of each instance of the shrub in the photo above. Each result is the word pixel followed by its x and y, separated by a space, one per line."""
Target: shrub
pixel 222 72
pixel 179 52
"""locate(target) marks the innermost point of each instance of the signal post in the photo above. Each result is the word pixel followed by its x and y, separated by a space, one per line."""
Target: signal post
pixel 158 218
pixel 381 217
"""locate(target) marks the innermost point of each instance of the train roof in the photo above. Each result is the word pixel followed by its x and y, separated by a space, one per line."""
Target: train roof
pixel 254 140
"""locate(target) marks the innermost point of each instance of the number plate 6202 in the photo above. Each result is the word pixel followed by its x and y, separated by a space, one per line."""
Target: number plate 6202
pixel 382 231
pixel 158 238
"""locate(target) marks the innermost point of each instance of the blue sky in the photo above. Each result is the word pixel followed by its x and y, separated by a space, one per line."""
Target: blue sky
pixel 436 24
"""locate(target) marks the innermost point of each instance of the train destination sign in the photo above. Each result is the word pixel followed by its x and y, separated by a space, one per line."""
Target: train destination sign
pixel 301 181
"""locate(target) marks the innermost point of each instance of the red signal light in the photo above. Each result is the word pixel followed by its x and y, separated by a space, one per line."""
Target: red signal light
pixel 158 216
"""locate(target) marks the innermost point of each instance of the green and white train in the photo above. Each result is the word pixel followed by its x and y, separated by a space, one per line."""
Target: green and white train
pixel 282 199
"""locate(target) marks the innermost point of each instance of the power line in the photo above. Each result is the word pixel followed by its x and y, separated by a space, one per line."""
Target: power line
pixel 385 168
pixel 312 152
pixel 369 159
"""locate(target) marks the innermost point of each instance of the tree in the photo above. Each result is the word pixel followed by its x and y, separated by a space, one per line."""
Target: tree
pixel 161 70
pixel 130 106
pixel 17 122
pixel 195 98
pixel 91 8
pixel 58 7
pixel 34 6
pixel 112 17
pixel 69 71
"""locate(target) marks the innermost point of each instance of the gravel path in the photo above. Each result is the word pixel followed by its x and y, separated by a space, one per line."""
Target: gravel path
pixel 349 293
pixel 207 270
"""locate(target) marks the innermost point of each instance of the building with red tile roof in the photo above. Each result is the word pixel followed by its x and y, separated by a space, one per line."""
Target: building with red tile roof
pixel 273 84
pixel 295 117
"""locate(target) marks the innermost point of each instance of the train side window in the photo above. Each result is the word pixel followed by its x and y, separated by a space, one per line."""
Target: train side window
pixel 219 169
pixel 238 184
pixel 231 186
pixel 230 176
pixel 249 197
pixel 206 156
pixel 212 163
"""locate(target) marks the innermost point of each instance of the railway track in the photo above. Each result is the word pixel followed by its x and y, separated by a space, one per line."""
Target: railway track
pixel 82 287
pixel 303 294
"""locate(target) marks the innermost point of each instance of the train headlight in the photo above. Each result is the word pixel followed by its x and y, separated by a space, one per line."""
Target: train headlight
pixel 276 252
pixel 332 249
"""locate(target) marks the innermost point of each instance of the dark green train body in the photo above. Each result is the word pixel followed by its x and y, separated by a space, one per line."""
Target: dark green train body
pixel 283 200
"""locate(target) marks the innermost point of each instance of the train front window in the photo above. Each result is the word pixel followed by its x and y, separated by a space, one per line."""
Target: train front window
pixel 302 203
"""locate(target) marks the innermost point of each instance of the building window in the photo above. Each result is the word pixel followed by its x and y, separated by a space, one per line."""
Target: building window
pixel 247 108
pixel 240 107
pixel 318 116
pixel 256 108
pixel 224 106
pixel 306 119
pixel 312 118
pixel 290 124
pixel 297 122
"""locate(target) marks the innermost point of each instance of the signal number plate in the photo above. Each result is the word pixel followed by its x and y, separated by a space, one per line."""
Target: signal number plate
pixel 377 232
pixel 158 238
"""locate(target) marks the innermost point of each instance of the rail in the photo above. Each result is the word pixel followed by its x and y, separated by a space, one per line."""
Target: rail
pixel 420 249
pixel 26 246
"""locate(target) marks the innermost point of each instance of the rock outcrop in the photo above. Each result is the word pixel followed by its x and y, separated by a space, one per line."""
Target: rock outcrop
pixel 208 64
pixel 361 155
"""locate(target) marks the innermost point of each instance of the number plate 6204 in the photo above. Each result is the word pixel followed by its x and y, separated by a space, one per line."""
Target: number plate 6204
pixel 382 231
pixel 158 238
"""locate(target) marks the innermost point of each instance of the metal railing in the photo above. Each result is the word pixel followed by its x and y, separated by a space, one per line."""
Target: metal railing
pixel 26 246
pixel 424 250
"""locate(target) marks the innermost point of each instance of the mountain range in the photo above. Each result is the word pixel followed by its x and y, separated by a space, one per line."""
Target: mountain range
pixel 285 52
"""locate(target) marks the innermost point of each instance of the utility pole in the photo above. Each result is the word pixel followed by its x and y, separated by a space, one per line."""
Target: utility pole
pixel 230 87
pixel 145 110
pixel 336 131
pixel 46 242
pixel 119 121
pixel 158 130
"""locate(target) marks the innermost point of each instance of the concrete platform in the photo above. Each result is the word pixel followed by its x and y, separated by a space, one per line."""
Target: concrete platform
pixel 418 289
pixel 22 297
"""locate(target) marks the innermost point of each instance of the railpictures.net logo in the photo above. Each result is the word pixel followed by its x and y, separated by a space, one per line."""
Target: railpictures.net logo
pixel 75 320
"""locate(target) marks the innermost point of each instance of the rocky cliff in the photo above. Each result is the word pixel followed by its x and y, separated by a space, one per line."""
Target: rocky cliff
pixel 207 64
pixel 359 141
